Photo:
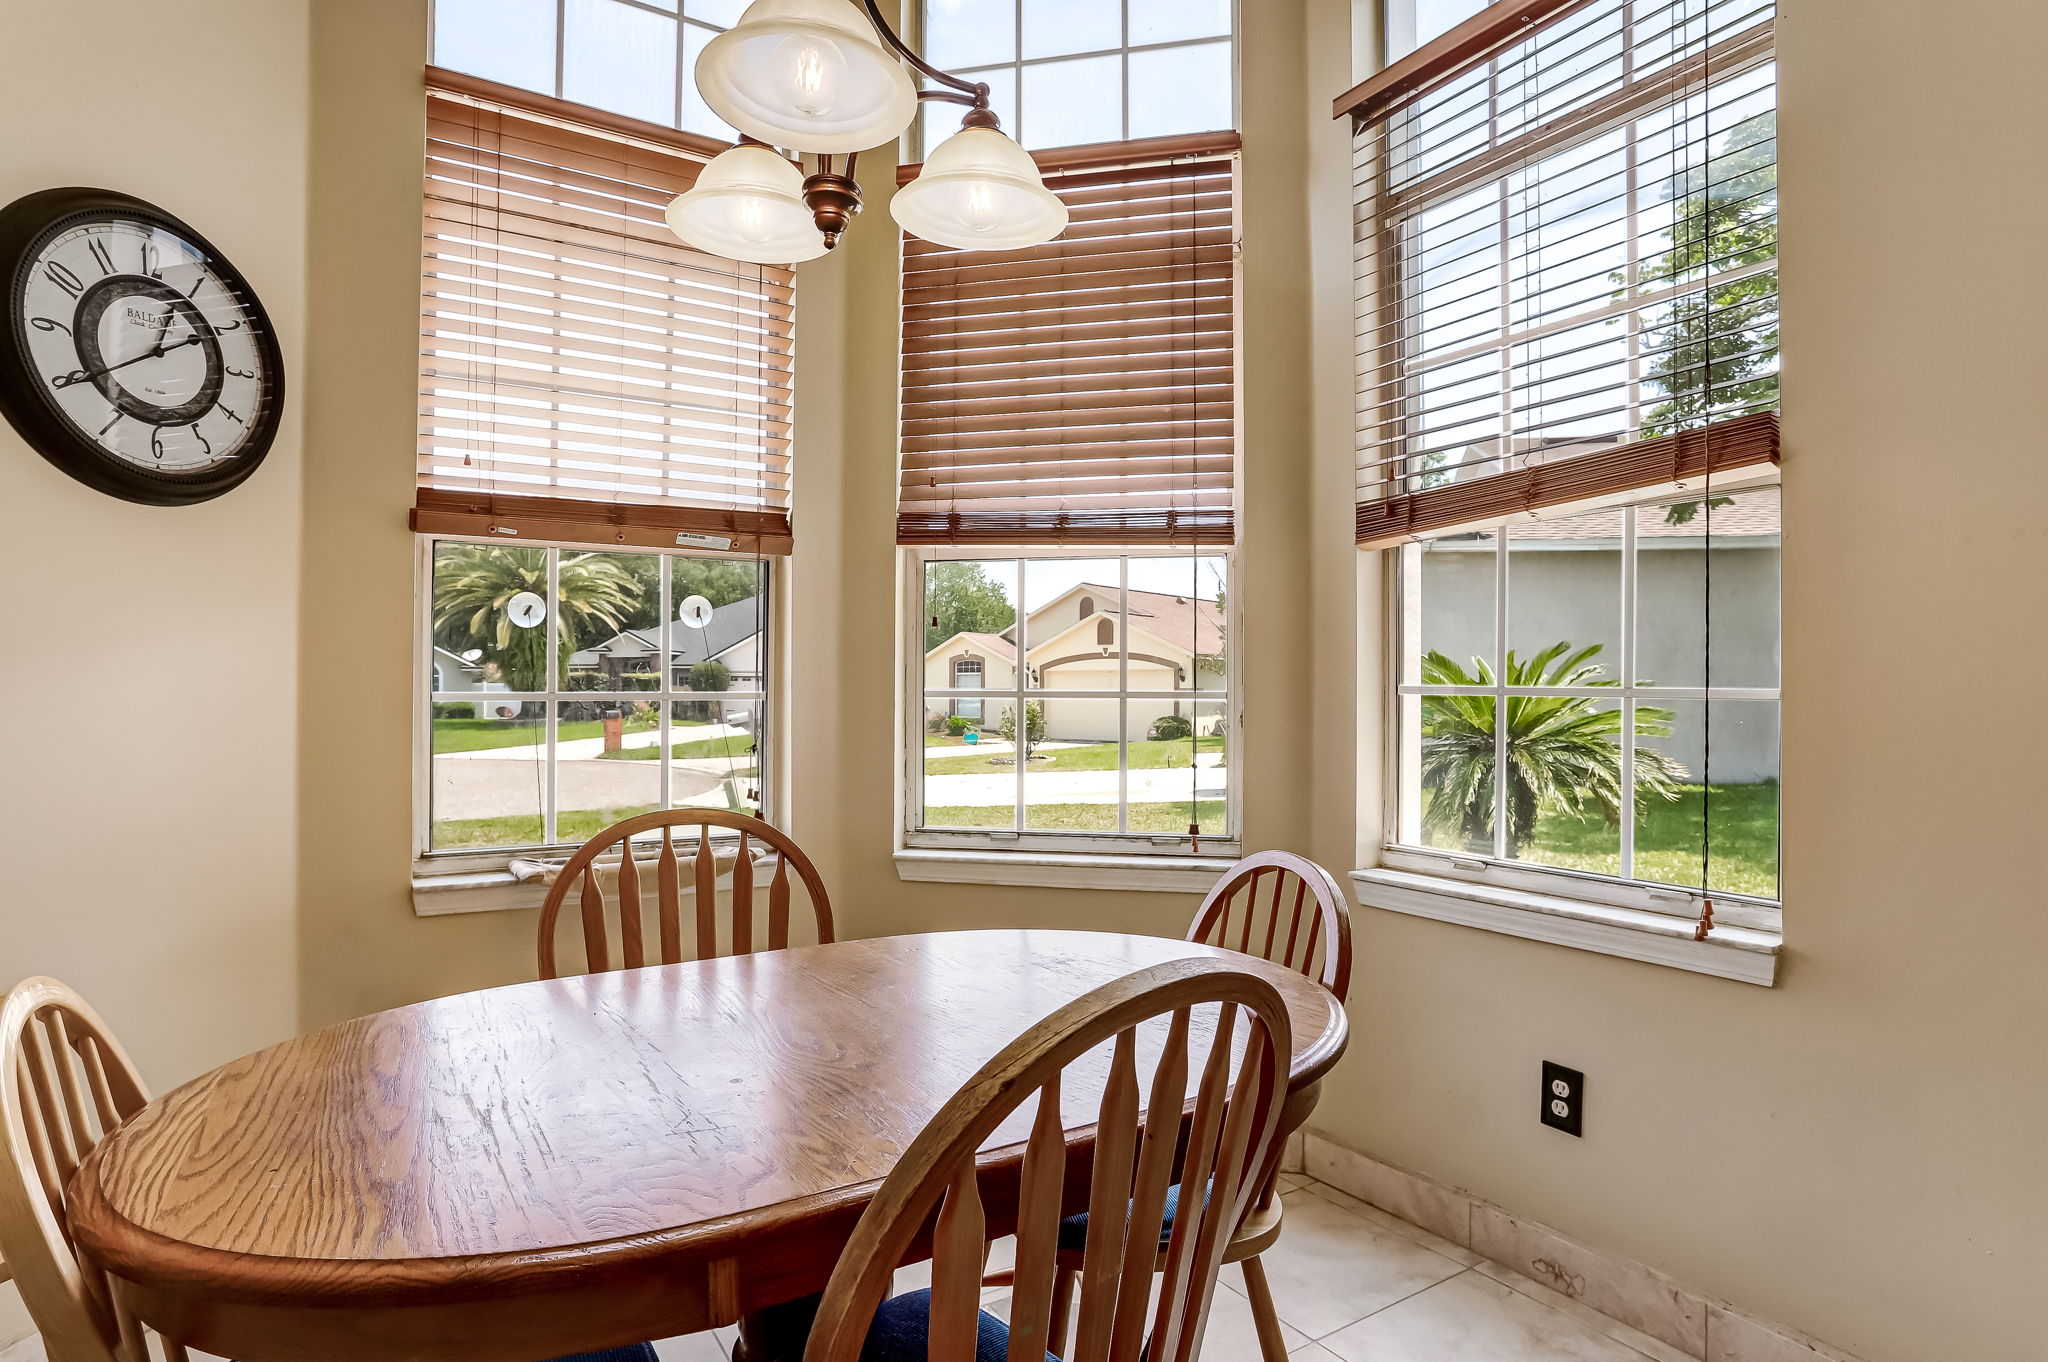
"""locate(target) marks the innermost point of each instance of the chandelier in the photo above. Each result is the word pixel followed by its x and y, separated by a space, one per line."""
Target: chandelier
pixel 815 78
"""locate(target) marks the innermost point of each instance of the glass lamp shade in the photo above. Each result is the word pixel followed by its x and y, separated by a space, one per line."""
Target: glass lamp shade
pixel 748 205
pixel 980 191
pixel 807 74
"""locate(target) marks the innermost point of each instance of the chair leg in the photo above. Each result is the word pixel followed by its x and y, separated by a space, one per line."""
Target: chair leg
pixel 1272 1344
pixel 1063 1284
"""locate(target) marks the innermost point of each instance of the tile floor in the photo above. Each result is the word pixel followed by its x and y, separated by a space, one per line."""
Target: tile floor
pixel 1354 1284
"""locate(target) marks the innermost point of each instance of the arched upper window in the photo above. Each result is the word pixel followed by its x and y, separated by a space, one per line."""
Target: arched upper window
pixel 1087 606
pixel 1105 632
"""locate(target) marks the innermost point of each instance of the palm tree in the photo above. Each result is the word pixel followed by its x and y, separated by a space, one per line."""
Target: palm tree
pixel 1563 752
pixel 474 582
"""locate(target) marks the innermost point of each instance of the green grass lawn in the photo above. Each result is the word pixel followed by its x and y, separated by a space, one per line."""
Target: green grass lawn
pixel 1146 755
pixel 479 735
pixel 524 830
pixel 1156 819
pixel 1744 830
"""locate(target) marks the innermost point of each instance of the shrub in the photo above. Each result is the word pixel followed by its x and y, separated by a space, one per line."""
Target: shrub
pixel 1034 727
pixel 1171 728
pixel 454 711
pixel 958 724
pixel 934 723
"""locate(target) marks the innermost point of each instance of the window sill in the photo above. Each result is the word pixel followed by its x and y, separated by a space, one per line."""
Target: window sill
pixel 1746 954
pixel 1062 870
pixel 474 891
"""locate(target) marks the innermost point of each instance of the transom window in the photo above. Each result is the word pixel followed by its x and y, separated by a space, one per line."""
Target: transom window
pixel 568 689
pixel 1128 716
pixel 1065 73
pixel 631 57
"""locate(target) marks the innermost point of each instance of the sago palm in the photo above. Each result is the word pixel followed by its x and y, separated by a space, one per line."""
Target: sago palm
pixel 473 583
pixel 1563 752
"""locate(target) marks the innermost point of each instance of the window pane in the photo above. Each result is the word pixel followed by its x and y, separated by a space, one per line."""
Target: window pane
pixel 1055 28
pixel 1454 761
pixel 1073 103
pixel 489 775
pixel 491 600
pixel 970 619
pixel 718 637
pixel 620 58
pixel 1434 18
pixel 1170 21
pixel 715 754
pixel 1707 789
pixel 970 32
pixel 696 114
pixel 1565 795
pixel 1070 785
pixel 1564 598
pixel 607 765
pixel 509 41
pixel 611 620
pixel 1176 638
pixel 1709 558
pixel 1181 89
pixel 1451 590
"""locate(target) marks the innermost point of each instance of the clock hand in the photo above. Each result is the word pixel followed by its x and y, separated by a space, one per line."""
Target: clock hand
pixel 83 376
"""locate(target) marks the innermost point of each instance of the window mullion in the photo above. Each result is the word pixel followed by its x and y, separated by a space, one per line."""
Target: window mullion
pixel 1500 698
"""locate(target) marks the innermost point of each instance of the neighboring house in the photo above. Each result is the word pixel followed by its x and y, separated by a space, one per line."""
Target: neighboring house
pixel 1071 643
pixel 453 672
pixel 1565 587
pixel 732 636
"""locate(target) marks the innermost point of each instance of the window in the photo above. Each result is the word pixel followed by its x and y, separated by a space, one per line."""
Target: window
pixel 1568 434
pixel 1064 73
pixel 565 719
pixel 1126 739
pixel 603 479
pixel 623 56
pixel 1572 652
pixel 1412 23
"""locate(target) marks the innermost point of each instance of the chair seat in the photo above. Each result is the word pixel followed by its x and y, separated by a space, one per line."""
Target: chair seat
pixel 902 1333
pixel 1074 1229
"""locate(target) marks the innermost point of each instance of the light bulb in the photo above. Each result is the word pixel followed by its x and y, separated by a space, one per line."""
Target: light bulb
pixel 979 211
pixel 752 215
pixel 810 74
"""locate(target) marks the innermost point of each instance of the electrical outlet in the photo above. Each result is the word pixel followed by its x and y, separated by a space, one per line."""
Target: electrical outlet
pixel 1564 1098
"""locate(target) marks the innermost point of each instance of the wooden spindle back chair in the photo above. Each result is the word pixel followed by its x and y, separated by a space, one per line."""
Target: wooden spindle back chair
pixel 1283 908
pixel 679 859
pixel 64 1083
pixel 1146 1140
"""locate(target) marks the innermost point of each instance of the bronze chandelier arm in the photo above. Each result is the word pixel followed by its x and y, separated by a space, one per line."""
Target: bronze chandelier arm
pixel 925 68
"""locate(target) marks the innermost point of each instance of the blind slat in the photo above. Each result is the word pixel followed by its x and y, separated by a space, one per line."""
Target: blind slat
pixel 584 375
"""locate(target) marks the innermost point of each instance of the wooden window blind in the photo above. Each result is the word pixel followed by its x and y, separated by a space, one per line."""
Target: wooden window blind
pixel 1566 261
pixel 584 375
pixel 1083 391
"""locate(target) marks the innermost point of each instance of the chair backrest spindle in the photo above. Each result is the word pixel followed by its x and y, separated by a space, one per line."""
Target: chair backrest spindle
pixel 1213 1147
pixel 64 1084
pixel 612 853
pixel 1318 936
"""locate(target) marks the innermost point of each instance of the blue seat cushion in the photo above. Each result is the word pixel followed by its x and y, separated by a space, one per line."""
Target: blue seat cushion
pixel 1074 1229
pixel 639 1352
pixel 902 1333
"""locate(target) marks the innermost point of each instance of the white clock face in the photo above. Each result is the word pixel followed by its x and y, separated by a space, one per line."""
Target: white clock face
pixel 142 345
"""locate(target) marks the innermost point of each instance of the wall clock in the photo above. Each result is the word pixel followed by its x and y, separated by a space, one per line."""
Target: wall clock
pixel 135 357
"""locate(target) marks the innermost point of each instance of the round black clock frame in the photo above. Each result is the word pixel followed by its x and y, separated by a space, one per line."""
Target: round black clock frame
pixel 26 226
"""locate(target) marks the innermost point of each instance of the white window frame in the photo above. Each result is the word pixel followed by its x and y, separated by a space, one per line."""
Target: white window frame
pixel 1733 909
pixel 452 865
pixel 1023 844
pixel 1122 51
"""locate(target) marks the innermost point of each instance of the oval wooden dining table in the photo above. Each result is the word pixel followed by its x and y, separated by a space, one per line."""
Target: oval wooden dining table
pixel 550 1167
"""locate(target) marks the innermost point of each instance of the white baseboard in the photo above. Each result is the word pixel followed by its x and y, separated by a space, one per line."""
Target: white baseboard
pixel 1690 1321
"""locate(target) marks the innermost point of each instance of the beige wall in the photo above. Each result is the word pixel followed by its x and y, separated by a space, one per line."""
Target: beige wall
pixel 1853 1152
pixel 146 814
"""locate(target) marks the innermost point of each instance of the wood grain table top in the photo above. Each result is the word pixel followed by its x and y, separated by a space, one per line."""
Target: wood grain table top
pixel 521 1133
